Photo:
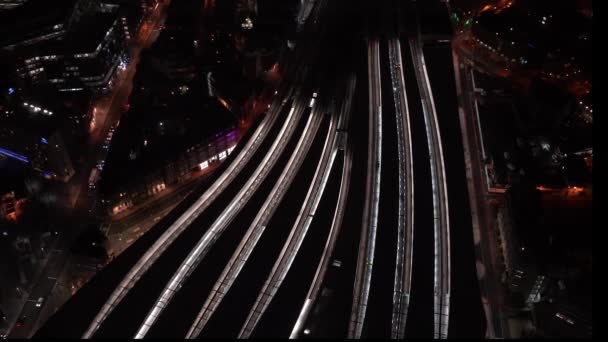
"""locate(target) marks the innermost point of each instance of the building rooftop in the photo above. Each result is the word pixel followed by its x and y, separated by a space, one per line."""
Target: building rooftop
pixel 26 120
pixel 90 30
pixel 83 37
pixel 563 321
pixel 32 19
pixel 53 106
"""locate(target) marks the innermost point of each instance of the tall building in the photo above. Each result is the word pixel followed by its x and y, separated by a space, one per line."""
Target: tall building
pixel 31 23
pixel 36 142
pixel 71 47
pixel 10 4
pixel 133 12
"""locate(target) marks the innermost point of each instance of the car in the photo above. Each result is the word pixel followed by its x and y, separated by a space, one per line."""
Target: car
pixel 39 302
pixel 20 322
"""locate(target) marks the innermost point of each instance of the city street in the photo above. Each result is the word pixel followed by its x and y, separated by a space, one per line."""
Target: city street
pixel 132 223
pixel 107 112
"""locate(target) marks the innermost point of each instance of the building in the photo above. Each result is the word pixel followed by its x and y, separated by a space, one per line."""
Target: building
pixel 272 24
pixel 510 34
pixel 10 206
pixel 133 13
pixel 434 19
pixel 554 40
pixel 548 103
pixel 173 125
pixel 61 118
pixel 562 320
pixel 71 47
pixel 178 123
pixel 35 140
pixel 10 4
pixel 120 196
pixel 36 21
